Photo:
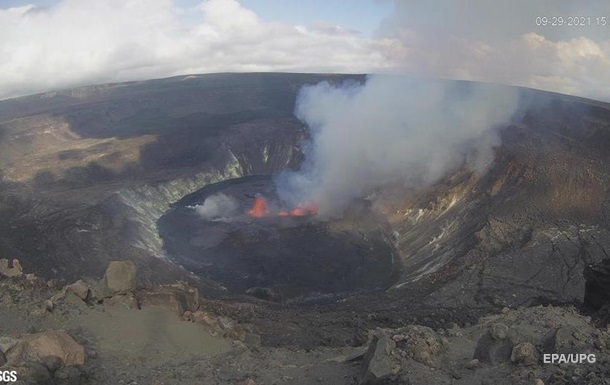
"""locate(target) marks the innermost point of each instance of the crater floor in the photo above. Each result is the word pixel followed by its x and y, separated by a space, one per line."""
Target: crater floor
pixel 279 257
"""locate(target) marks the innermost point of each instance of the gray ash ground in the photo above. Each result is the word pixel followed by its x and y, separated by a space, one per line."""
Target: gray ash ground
pixel 279 258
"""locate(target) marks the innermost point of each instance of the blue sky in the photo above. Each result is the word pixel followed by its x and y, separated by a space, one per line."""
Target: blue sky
pixel 50 44
pixel 363 16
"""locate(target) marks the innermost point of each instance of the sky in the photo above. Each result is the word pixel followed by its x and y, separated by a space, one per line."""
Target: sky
pixel 54 44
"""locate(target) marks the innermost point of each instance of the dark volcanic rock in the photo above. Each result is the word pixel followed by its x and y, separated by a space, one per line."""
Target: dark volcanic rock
pixel 597 289
pixel 378 364
pixel 493 351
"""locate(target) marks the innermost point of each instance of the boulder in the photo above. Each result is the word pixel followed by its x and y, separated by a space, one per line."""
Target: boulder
pixel 378 363
pixel 48 305
pixel 421 343
pixel 498 331
pixel 208 320
pixel 13 269
pixel 35 372
pixel 472 364
pixel 35 347
pixel 7 343
pixel 524 352
pixel 177 297
pixel 79 288
pixel 68 375
pixel 52 363
pixel 563 340
pixel 120 278
pixel 492 351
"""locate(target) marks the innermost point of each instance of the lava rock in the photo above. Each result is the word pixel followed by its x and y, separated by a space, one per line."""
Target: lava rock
pixel 7 343
pixel 498 331
pixel 67 376
pixel 472 364
pixel 178 298
pixel 35 372
pixel 421 343
pixel 524 352
pixel 597 284
pixel 10 271
pixel 120 278
pixel 378 364
pixel 35 347
pixel 80 289
pixel 48 305
pixel 492 351
pixel 563 340
pixel 52 363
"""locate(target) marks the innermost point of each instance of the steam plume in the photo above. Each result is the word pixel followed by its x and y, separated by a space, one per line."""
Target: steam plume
pixel 391 129
pixel 217 207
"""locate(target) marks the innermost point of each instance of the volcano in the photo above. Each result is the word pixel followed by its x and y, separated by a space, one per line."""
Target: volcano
pixel 113 172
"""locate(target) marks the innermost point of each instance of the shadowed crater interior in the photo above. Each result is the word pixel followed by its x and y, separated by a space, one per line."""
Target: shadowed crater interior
pixel 278 257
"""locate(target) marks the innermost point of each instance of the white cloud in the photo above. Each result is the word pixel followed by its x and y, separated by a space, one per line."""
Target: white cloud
pixel 82 42
pixel 501 43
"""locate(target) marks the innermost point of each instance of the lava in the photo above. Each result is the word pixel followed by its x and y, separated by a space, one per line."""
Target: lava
pixel 259 208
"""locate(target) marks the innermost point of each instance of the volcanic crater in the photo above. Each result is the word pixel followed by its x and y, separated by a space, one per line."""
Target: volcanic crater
pixel 279 254
pixel 114 172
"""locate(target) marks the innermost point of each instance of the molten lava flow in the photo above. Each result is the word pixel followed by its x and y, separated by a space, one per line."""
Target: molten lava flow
pixel 259 208
pixel 300 211
pixel 297 212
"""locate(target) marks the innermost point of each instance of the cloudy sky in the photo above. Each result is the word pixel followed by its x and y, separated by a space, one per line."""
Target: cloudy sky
pixel 50 44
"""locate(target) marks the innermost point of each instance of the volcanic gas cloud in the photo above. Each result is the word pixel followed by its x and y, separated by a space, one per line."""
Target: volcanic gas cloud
pixel 391 130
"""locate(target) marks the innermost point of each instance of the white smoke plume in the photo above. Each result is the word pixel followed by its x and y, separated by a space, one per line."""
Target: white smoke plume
pixel 391 129
pixel 217 207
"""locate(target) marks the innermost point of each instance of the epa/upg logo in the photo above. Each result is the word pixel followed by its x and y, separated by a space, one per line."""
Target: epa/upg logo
pixel 8 376
pixel 568 358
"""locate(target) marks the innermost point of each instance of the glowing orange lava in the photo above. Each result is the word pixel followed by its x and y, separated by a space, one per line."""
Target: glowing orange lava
pixel 303 210
pixel 259 208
